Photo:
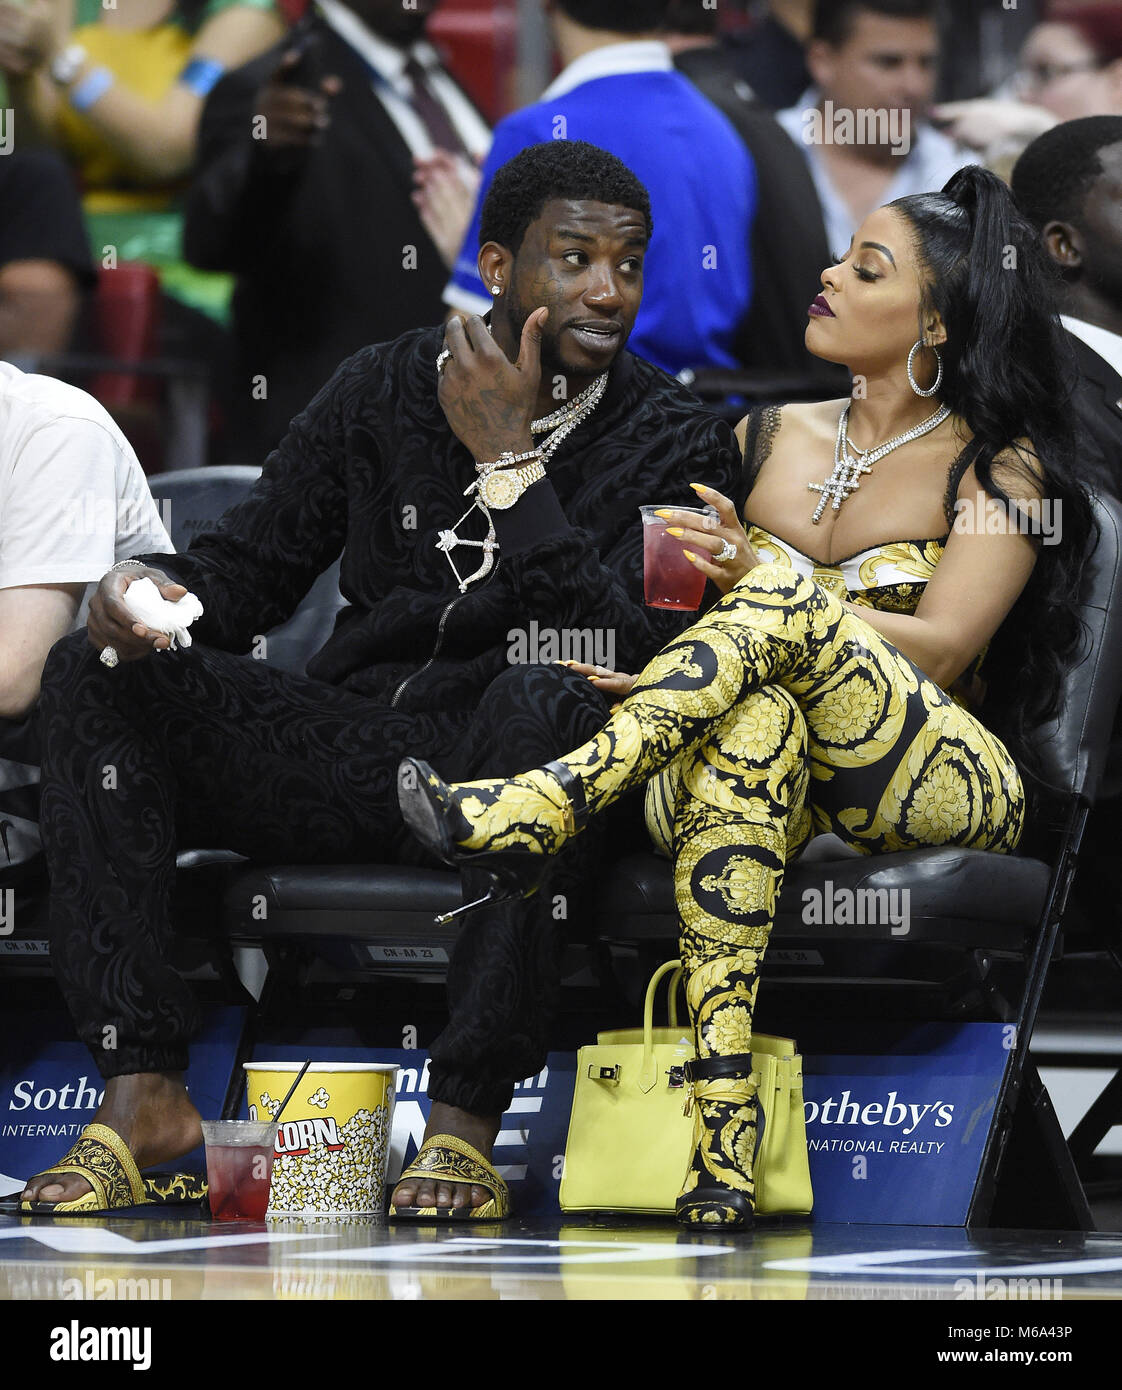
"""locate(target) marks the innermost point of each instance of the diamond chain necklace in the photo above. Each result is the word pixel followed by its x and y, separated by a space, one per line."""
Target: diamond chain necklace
pixel 565 420
pixel 850 461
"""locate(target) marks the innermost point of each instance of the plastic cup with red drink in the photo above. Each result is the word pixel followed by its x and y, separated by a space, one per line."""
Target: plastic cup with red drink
pixel 239 1167
pixel 669 579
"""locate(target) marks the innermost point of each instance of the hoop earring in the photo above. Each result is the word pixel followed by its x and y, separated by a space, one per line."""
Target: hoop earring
pixel 938 375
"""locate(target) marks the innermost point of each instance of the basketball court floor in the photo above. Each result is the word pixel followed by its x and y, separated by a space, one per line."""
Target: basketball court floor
pixel 307 1297
pixel 181 1260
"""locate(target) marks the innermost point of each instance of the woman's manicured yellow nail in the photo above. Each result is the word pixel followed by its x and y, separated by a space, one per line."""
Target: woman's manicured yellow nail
pixel 690 556
pixel 664 513
pixel 674 531
pixel 699 487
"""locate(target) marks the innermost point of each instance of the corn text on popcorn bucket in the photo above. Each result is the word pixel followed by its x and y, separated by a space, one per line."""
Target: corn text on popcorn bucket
pixel 333 1141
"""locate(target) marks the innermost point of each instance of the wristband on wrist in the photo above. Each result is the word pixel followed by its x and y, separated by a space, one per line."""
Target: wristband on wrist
pixel 127 564
pixel 201 75
pixel 91 88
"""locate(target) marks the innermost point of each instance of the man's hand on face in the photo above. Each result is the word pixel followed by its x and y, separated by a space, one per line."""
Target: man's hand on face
pixel 488 400
pixel 112 624
pixel 295 116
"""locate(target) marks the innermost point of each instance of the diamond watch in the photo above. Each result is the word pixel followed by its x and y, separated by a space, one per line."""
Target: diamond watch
pixel 502 487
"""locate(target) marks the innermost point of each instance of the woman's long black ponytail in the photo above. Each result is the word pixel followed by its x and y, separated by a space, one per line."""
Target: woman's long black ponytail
pixel 1006 374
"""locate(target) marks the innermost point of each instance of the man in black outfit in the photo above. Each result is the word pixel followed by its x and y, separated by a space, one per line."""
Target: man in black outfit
pixel 1068 183
pixel 304 188
pixel 214 750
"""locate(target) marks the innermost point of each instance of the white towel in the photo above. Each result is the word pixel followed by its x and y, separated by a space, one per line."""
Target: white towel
pixel 156 612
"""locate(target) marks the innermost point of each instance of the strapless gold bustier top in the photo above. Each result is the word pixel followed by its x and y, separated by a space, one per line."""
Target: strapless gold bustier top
pixel 890 577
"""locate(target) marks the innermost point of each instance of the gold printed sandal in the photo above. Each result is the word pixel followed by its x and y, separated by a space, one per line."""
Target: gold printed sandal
pixel 449 1159
pixel 102 1158
pixel 173 1189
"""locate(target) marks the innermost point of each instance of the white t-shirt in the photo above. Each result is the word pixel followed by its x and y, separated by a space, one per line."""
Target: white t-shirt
pixel 73 497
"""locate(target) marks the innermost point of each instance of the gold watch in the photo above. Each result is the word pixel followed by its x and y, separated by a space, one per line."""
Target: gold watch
pixel 502 487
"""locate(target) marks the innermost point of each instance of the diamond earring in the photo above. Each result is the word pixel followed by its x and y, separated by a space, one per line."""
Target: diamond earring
pixel 938 376
pixel 496 290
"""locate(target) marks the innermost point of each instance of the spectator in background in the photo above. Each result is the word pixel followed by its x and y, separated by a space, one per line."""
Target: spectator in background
pixel 1070 67
pixel 618 90
pixel 771 58
pixel 1069 185
pixel 45 264
pixel 73 501
pixel 117 89
pixel 317 218
pixel 863 126
pixel 788 248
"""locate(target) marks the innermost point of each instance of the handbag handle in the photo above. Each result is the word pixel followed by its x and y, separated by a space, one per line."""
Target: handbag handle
pixel 673 968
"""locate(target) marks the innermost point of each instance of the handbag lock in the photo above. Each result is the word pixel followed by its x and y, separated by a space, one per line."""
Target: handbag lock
pixel 677 1077
pixel 604 1074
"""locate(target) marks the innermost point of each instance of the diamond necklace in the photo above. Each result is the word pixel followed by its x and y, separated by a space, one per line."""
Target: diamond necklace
pixel 850 461
pixel 565 420
pixel 562 422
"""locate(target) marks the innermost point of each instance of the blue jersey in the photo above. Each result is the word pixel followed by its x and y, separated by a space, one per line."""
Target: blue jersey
pixel 697 276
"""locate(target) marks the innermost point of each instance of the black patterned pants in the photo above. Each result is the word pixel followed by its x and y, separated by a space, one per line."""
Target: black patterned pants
pixel 201 749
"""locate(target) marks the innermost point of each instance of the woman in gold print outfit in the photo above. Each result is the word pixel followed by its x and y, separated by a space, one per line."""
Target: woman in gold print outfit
pixel 829 688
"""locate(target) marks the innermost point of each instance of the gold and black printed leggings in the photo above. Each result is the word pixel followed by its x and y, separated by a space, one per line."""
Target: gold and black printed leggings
pixel 781 714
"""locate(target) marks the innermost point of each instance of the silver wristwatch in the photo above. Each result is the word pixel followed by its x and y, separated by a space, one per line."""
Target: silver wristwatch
pixel 502 487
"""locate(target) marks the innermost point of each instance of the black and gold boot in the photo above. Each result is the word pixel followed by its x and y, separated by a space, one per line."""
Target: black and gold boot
pixel 718 1190
pixel 508 827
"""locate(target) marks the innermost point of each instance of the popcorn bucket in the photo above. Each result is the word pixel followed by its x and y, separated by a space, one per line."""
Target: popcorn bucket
pixel 333 1142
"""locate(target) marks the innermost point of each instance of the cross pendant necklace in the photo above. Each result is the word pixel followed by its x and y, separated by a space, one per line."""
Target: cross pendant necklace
pixel 850 461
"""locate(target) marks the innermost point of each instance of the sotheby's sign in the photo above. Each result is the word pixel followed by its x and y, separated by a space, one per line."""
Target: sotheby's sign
pixel 896 1133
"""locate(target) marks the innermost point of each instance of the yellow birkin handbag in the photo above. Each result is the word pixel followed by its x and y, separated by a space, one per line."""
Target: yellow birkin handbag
pixel 630 1141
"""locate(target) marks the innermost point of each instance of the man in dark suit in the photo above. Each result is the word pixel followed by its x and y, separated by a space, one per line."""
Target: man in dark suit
pixel 1068 183
pixel 304 187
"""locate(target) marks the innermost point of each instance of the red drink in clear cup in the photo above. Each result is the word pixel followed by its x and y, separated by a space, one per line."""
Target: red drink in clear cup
pixel 239 1167
pixel 669 579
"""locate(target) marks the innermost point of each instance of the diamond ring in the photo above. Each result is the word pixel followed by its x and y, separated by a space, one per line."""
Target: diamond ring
pixel 109 657
pixel 726 552
pixel 441 357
